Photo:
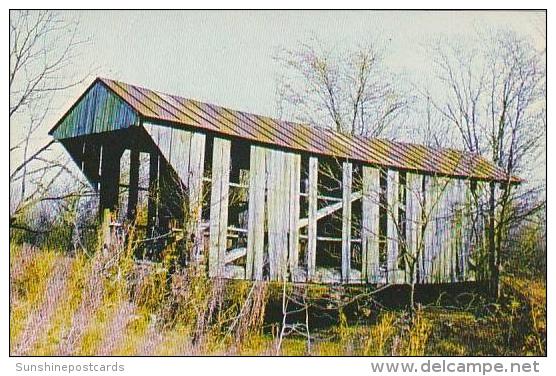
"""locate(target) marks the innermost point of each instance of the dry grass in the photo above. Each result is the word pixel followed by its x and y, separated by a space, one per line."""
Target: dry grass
pixel 109 305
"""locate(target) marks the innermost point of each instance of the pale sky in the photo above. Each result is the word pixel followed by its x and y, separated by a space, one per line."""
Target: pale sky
pixel 225 57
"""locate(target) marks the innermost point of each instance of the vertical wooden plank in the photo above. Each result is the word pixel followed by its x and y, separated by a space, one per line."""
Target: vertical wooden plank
pixel 347 175
pixel 392 229
pixel 180 154
pixel 215 197
pixel 294 209
pixel 428 228
pixel 370 224
pixel 464 225
pixel 435 228
pixel 255 235
pixel 457 231
pixel 225 180
pixel 448 240
pixel 414 200
pixel 284 186
pixel 445 239
pixel 312 218
pixel 440 240
pixel 271 162
pixel 439 234
pixel 219 206
pixel 466 215
pixel 436 254
pixel 133 184
pixel 278 165
pixel 476 229
pixel 195 186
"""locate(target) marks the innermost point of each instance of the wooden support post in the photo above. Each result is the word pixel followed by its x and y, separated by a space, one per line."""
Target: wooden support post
pixel 255 236
pixel 312 215
pixel 219 206
pixel 370 225
pixel 392 226
pixel 133 184
pixel 347 170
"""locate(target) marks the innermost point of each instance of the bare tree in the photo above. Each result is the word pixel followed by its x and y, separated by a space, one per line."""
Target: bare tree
pixel 43 47
pixel 494 98
pixel 346 90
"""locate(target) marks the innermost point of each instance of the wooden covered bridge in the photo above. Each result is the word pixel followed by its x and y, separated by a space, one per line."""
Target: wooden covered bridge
pixel 257 198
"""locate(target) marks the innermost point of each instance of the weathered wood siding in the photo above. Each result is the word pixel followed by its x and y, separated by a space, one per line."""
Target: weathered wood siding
pixel 294 169
pixel 442 225
pixel 414 221
pixel 347 184
pixel 277 213
pixel 436 227
pixel 256 221
pixel 312 218
pixel 392 232
pixel 282 175
pixel 185 152
pixel 99 110
pixel 219 206
pixel 370 224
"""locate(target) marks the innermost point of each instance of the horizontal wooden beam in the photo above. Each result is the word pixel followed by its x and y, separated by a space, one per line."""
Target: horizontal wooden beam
pixel 234 254
pixel 325 198
pixel 327 210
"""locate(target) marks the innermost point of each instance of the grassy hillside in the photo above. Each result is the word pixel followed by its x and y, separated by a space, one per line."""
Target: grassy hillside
pixel 106 304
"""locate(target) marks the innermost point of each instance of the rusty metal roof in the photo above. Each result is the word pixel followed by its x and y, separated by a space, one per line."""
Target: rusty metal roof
pixel 156 106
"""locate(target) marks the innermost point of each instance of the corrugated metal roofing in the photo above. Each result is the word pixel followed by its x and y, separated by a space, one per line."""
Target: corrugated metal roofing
pixel 156 106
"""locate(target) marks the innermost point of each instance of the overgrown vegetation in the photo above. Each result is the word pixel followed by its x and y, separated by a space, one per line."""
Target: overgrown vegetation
pixel 105 302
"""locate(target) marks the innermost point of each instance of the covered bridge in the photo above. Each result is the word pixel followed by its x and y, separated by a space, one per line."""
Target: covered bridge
pixel 256 198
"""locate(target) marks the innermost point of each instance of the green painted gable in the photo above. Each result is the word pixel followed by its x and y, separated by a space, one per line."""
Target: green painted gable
pixel 98 110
